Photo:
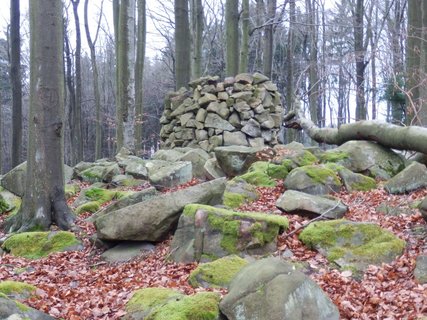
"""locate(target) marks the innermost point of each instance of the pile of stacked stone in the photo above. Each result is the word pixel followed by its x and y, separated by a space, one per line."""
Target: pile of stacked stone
pixel 243 110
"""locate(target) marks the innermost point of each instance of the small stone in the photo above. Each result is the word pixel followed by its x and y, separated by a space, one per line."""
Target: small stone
pixel 244 78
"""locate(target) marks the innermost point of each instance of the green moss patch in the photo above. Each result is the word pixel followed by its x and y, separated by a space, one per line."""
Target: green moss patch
pixel 262 173
pixel 17 290
pixel 334 156
pixel 259 228
pixel 71 190
pixel 34 245
pixel 350 243
pixel 99 196
pixel 161 304
pixel 218 273
pixel 321 174
pixel 238 192
pixel 305 158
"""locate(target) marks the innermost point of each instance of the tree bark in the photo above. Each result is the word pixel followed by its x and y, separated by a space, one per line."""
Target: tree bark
pixel 232 37
pixel 182 45
pixel 386 134
pixel 244 49
pixel 197 23
pixel 139 73
pixel 125 115
pixel 76 135
pixel 15 78
pixel 91 44
pixel 44 199
pixel 359 51
pixel 268 38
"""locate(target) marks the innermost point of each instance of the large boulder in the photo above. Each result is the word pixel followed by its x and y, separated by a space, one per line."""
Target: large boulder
pixel 155 217
pixel 295 202
pixel 272 289
pixel 236 160
pixel 264 174
pixel 165 174
pixel 198 158
pixel 15 179
pixel 409 179
pixel 238 192
pixel 366 157
pixel 14 310
pixel 9 202
pixel 34 245
pixel 17 290
pixel 209 233
pixel 313 179
pixel 98 172
pixel 162 304
pixel 354 181
pixel 353 245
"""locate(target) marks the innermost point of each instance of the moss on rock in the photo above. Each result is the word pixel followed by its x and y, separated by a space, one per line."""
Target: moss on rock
pixel 333 156
pixel 15 289
pixel 305 158
pixel 263 173
pixel 238 192
pixel 352 242
pixel 99 196
pixel 321 174
pixel 218 273
pixel 34 245
pixel 71 190
pixel 161 304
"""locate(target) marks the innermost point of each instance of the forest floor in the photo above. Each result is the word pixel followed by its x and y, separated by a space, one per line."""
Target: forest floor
pixel 79 285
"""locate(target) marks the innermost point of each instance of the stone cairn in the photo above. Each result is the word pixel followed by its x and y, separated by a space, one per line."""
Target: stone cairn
pixel 244 110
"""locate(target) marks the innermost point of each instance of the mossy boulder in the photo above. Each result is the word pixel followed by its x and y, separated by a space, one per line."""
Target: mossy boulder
pixel 101 171
pixel 218 273
pixel 9 202
pixel 263 174
pixel 93 198
pixel 236 160
pixel 366 157
pixel 313 179
pixel 17 290
pixel 294 155
pixel 208 233
pixel 34 245
pixel 71 190
pixel 353 245
pixel 353 181
pixel 274 289
pixel 238 192
pixel 14 310
pixel 165 174
pixel 409 179
pixel 161 303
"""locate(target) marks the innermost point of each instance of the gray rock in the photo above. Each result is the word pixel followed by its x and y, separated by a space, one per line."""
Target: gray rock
pixel 198 158
pixel 368 158
pixel 259 78
pixel 236 138
pixel 252 128
pixel 243 95
pixel 211 233
pixel 126 251
pixel 295 202
pixel 137 169
pixel 256 142
pixel 238 192
pixel 244 78
pixel 212 169
pixel 215 121
pixel 355 181
pixel 235 160
pixel 420 272
pixel 12 310
pixel 153 219
pixel 409 179
pixel 201 115
pixel 423 208
pixel 313 179
pixel 206 99
pixel 272 289
pixel 169 174
pixel 234 120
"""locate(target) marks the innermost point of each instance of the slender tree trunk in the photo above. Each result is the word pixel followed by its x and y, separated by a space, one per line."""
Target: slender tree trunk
pixel 44 199
pixel 1 134
pixel 15 78
pixel 290 82
pixel 268 38
pixel 139 73
pixel 71 101
pixel 359 52
pixel 413 47
pixel 422 114
pixel 260 8
pixel 76 132
pixel 125 116
pixel 197 23
pixel 232 36
pixel 244 50
pixel 313 92
pixel 91 44
pixel 182 44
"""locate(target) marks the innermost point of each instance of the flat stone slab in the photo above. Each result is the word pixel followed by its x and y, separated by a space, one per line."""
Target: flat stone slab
pixel 127 250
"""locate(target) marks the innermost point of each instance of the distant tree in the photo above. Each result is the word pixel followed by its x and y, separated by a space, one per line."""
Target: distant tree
pixel 139 72
pixel 91 43
pixel 232 36
pixel 360 52
pixel 16 82
pixel 197 26
pixel 182 44
pixel 244 48
pixel 268 38
pixel 44 200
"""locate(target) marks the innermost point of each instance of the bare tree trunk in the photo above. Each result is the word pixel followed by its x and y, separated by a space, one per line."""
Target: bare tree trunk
pixel 290 82
pixel 139 73
pixel 1 135
pixel 91 44
pixel 386 134
pixel 359 51
pixel 260 8
pixel 44 200
pixel 244 49
pixel 232 36
pixel 197 23
pixel 422 114
pixel 125 115
pixel 71 101
pixel 268 38
pixel 313 92
pixel 182 44
pixel 15 78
